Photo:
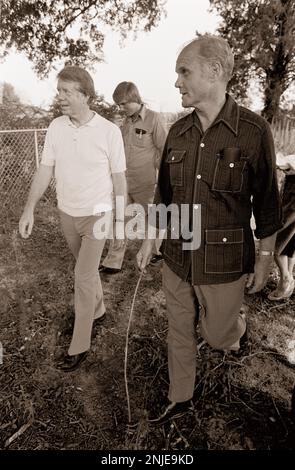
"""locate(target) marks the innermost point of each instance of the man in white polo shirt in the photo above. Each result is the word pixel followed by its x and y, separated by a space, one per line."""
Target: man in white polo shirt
pixel 86 154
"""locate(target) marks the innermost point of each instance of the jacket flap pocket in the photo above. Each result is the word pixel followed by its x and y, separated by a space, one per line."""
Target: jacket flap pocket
pixel 175 156
pixel 226 236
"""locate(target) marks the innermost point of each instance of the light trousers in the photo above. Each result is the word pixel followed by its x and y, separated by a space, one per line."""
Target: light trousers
pixel 83 238
pixel 217 307
pixel 116 250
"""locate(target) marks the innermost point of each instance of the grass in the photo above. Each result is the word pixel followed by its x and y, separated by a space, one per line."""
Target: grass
pixel 239 403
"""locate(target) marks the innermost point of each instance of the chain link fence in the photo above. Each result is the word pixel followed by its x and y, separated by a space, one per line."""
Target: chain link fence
pixel 20 153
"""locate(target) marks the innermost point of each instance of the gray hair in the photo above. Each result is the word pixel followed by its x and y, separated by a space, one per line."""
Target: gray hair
pixel 212 47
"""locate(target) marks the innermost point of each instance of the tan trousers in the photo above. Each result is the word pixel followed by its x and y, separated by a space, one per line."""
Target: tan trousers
pixel 116 250
pixel 88 298
pixel 221 325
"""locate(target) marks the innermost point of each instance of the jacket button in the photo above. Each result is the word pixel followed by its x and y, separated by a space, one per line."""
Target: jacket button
pixel 202 144
pixel 172 158
pixel 224 239
pixel 231 165
pixel 199 177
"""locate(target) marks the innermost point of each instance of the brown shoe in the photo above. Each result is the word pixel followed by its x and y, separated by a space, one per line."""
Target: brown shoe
pixel 70 363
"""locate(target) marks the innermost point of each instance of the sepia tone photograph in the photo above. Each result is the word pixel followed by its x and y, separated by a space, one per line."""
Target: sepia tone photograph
pixel 147 230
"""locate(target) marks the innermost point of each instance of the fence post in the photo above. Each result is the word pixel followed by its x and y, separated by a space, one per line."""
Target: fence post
pixel 36 148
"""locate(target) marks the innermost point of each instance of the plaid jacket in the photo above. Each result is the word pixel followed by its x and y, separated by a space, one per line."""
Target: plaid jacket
pixel 223 175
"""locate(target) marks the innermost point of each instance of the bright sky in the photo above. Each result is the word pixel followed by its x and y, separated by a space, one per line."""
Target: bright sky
pixel 149 61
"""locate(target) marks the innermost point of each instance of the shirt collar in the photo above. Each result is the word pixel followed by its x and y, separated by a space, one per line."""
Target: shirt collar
pixel 93 122
pixel 229 114
pixel 140 114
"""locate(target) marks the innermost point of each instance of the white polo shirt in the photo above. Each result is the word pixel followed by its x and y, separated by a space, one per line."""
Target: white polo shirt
pixel 84 158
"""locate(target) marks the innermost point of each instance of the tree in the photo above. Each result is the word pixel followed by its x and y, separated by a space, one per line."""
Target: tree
pixel 98 104
pixel 16 115
pixel 71 30
pixel 8 95
pixel 262 35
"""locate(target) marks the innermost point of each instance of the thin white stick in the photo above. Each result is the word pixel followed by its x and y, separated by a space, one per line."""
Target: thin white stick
pixel 18 433
pixel 126 346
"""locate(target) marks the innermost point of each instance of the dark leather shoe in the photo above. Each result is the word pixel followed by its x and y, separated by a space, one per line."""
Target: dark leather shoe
pixel 156 259
pixel 243 343
pixel 244 338
pixel 106 270
pixel 99 320
pixel 173 411
pixel 70 363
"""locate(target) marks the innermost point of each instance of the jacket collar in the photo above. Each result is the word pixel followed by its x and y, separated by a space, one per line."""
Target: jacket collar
pixel 229 115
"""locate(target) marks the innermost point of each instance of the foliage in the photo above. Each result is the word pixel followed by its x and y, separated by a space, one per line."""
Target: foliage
pixel 98 104
pixel 71 30
pixel 16 115
pixel 262 37
pixel 8 94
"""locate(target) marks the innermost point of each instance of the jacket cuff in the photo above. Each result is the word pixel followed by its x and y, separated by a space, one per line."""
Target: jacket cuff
pixel 265 232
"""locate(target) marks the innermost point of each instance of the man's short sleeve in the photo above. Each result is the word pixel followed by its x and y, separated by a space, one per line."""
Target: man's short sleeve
pixel 48 154
pixel 116 152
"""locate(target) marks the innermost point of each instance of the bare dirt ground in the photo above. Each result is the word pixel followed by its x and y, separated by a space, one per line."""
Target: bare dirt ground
pixel 239 403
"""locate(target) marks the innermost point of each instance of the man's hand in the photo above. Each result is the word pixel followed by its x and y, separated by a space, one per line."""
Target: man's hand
pixel 26 223
pixel 144 255
pixel 39 185
pixel 259 278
